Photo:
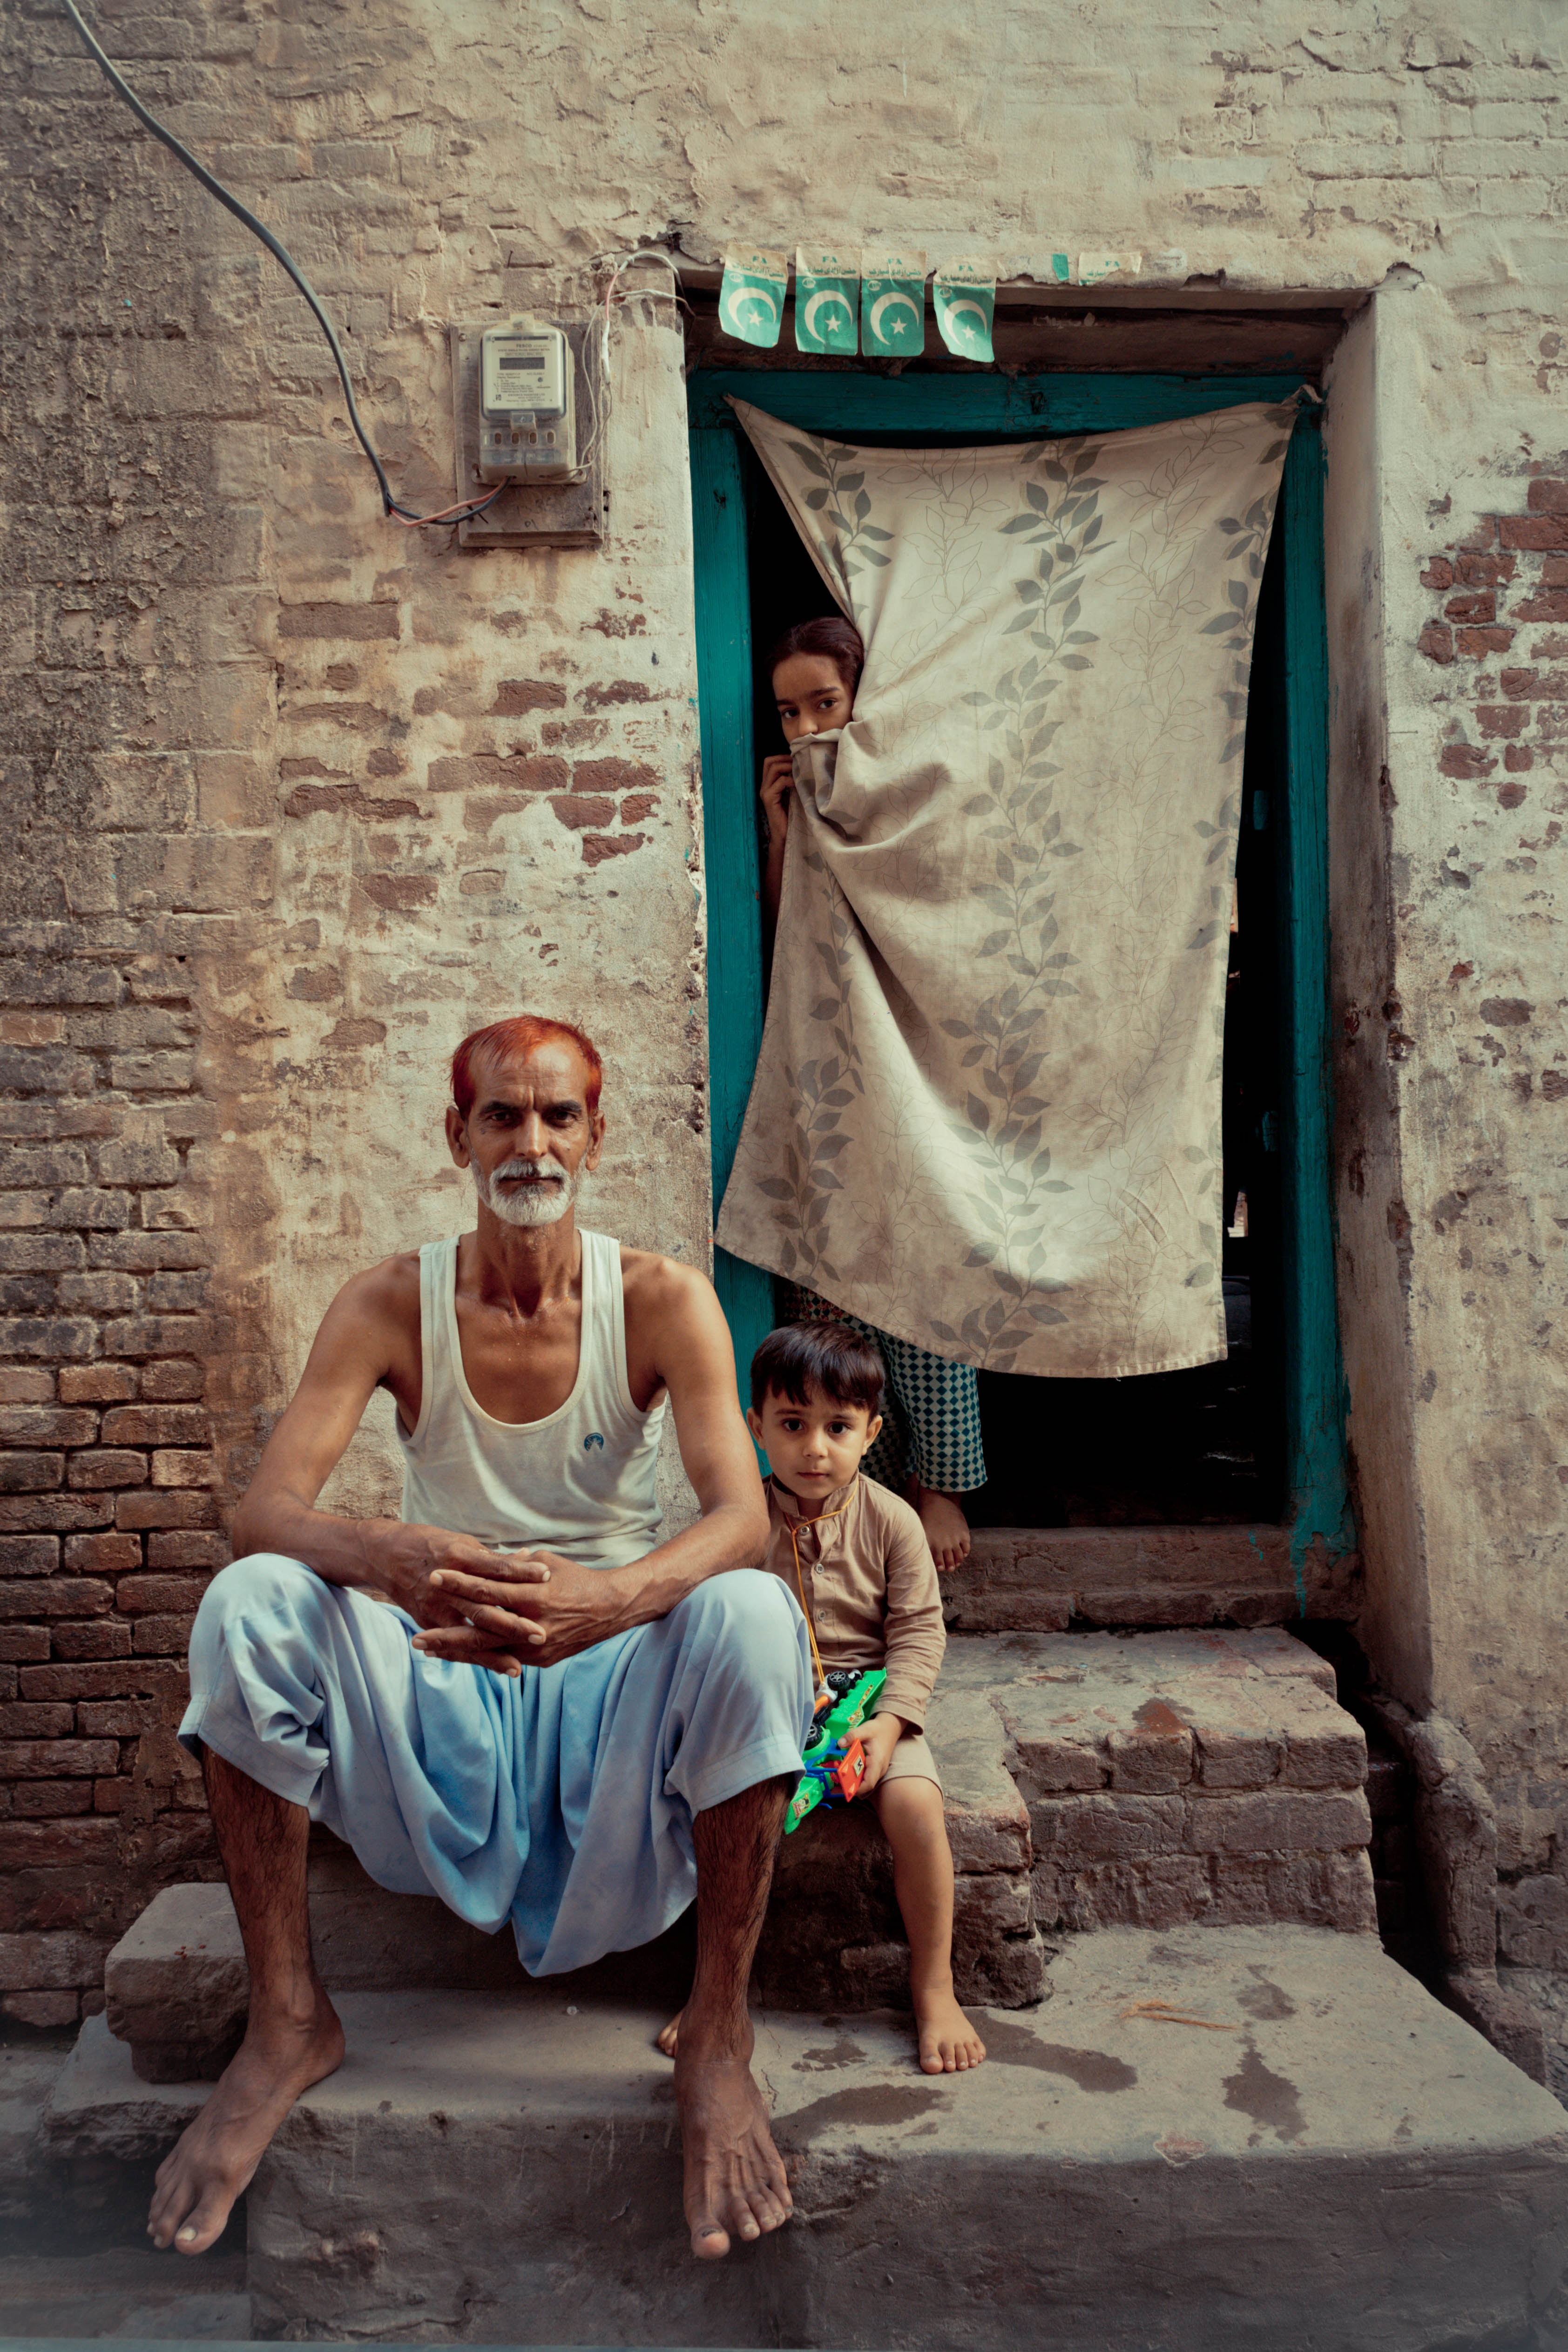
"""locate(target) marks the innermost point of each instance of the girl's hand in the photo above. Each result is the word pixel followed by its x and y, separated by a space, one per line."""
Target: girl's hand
pixel 778 775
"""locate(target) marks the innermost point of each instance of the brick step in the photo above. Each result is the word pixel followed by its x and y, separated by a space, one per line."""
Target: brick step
pixel 1091 1780
pixel 1211 2139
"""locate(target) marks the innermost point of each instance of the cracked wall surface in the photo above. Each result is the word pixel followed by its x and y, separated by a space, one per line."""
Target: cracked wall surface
pixel 296 797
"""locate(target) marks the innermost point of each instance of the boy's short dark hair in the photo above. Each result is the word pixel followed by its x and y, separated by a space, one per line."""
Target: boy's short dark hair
pixel 827 1356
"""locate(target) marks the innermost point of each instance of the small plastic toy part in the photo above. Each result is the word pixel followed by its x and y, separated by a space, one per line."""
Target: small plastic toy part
pixel 834 1758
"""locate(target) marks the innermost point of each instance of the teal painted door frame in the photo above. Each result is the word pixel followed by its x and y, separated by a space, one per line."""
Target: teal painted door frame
pixel 988 407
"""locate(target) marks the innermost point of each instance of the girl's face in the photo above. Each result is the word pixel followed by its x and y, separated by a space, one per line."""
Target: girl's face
pixel 811 696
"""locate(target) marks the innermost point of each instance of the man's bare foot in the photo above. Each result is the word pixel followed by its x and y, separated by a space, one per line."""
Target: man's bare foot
pixel 734 2176
pixel 949 2043
pixel 668 2037
pixel 946 1528
pixel 213 2162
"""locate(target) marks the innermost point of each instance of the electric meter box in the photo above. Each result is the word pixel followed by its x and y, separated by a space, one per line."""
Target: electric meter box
pixel 528 424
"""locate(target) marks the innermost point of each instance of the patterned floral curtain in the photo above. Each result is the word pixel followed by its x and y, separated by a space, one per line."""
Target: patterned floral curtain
pixel 986 1114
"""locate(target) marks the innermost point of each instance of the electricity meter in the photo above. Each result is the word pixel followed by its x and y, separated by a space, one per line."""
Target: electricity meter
pixel 528 424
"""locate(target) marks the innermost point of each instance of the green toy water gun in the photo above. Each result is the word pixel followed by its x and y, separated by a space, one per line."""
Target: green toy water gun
pixel 834 1758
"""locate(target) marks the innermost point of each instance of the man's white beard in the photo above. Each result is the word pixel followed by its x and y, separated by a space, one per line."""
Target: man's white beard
pixel 531 1204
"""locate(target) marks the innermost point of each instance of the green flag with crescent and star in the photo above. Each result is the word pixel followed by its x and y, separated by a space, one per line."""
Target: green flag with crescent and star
pixel 751 297
pixel 893 304
pixel 963 296
pixel 826 291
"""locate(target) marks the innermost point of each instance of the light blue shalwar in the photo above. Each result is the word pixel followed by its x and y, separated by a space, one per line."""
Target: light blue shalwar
pixel 562 1801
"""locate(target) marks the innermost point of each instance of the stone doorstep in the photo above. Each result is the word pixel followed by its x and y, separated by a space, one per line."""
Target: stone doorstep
pixel 1045 1579
pixel 1302 2128
pixel 1091 1780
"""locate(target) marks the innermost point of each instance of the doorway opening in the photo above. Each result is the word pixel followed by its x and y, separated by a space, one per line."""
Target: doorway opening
pixel 1256 1440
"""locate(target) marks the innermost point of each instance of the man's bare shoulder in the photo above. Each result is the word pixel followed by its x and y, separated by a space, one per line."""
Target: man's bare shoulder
pixel 654 1284
pixel 387 1294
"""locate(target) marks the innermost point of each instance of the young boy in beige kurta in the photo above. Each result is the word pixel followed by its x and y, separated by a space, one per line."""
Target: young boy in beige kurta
pixel 856 1560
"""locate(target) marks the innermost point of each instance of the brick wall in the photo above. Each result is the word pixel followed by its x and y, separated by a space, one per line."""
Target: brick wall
pixel 1500 622
pixel 107 1520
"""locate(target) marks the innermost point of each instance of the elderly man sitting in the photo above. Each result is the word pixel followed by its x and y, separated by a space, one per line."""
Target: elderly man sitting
pixel 560 1721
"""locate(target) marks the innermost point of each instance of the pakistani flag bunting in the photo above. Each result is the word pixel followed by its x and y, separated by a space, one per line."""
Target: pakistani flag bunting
pixel 825 293
pixel 893 304
pixel 751 297
pixel 963 295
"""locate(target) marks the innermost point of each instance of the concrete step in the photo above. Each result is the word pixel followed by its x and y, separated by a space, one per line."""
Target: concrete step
pixel 1209 2139
pixel 1091 1780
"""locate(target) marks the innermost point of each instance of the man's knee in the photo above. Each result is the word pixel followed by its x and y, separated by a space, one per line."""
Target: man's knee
pixel 747 1618
pixel 263 1584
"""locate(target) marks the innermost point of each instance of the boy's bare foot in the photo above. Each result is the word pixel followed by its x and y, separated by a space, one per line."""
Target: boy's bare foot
pixel 949 2043
pixel 668 2036
pixel 946 1528
pixel 734 2176
pixel 213 2162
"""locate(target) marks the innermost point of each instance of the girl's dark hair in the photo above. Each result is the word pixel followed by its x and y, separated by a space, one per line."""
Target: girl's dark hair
pixel 826 1356
pixel 831 634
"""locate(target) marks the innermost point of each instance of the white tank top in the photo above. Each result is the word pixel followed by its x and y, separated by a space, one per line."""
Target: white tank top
pixel 581 1481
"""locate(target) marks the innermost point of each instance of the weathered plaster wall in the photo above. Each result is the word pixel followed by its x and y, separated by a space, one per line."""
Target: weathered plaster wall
pixel 296 797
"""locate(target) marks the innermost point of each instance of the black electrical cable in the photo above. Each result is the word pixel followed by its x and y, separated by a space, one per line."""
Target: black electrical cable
pixel 281 255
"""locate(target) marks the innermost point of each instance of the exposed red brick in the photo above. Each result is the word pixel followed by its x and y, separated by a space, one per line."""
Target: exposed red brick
pixel 398 892
pixel 1511 796
pixel 516 697
pixel 104 1467
pixel 39 1845
pixel 582 809
pixel 55 1596
pixel 1552 647
pixel 55 1759
pixel 614 776
pixel 346 1036
pixel 50 1799
pixel 597 846
pixel 637 807
pixel 384 761
pixel 1554 571
pixel 1548 495
pixel 1440 574
pixel 1464 760
pixel 309 800
pixel 1436 641
pixel 162 1636
pixel 119 1718
pixel 33 1719
pixel 1519 684
pixel 149 1595
pixel 97 1383
pixel 110 1796
pixel 158 1424
pixel 1483 536
pixel 108 1638
pixel 170 1381
pixel 1480 607
pixel 358 621
pixel 1520 759
pixel 21 1644
pixel 102 1555
pixel 1486 571
pixel 54 1514
pixel 1554 1084
pixel 621 690
pixel 483 771
pixel 121 1678
pixel 29 1555
pixel 1495 717
pixel 1539 531
pixel 186 1549
pixel 1476 643
pixel 157 1508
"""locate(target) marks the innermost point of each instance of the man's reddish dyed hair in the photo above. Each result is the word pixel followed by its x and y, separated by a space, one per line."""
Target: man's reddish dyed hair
pixel 524 1033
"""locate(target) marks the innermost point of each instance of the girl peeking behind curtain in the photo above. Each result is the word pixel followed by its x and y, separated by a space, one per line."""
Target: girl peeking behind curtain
pixel 929 1448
